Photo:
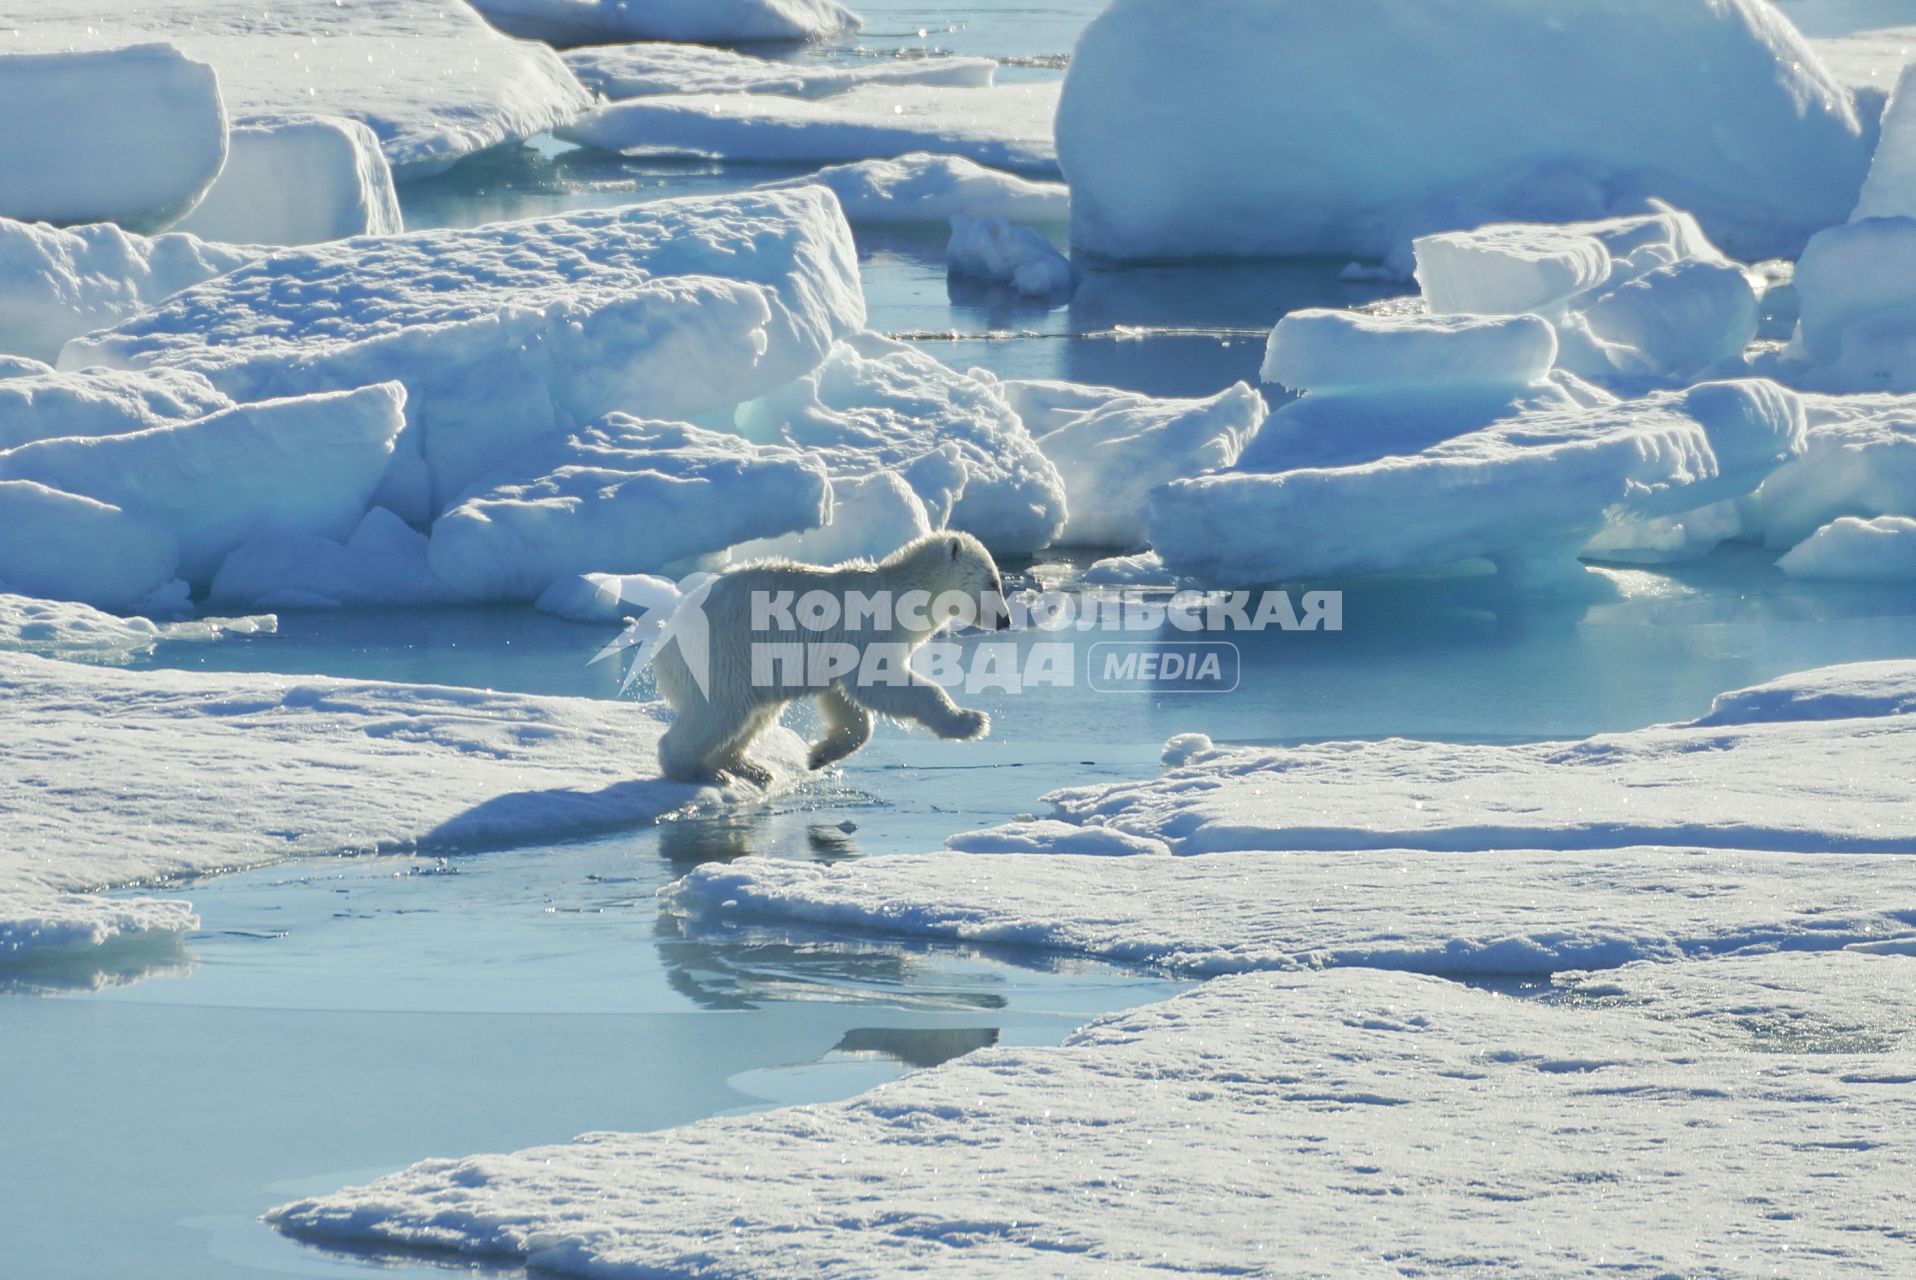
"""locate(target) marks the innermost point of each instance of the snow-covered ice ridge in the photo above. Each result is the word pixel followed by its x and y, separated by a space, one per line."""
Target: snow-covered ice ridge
pixel 431 78
pixel 566 22
pixel 641 70
pixel 305 765
pixel 1730 1118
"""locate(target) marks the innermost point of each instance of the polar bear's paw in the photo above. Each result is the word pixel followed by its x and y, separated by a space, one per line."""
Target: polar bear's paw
pixel 966 726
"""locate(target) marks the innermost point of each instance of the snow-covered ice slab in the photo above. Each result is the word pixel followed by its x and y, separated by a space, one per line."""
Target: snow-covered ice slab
pixel 1324 350
pixel 132 135
pixel 80 633
pixel 995 251
pixel 1855 550
pixel 510 334
pixel 56 285
pixel 922 187
pixel 1859 459
pixel 1527 492
pixel 298 180
pixel 877 405
pixel 101 402
pixel 1856 307
pixel 566 22
pixel 623 496
pixel 1724 1118
pixel 304 765
pixel 641 70
pixel 430 77
pixel 306 465
pixel 1890 189
pixel 1003 127
pixel 67 547
pixel 1346 129
pixel 1112 456
pixel 1852 691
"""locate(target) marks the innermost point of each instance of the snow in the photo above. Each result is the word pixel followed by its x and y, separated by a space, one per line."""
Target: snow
pixel 1859 459
pixel 81 633
pixel 1856 296
pixel 130 135
pixel 1890 189
pixel 1852 691
pixel 992 250
pixel 305 765
pixel 1527 492
pixel 921 187
pixel 100 402
pixel 1854 550
pixel 1112 456
pixel 515 333
pixel 872 515
pixel 56 285
pixel 1723 1118
pixel 306 465
pixel 1317 350
pixel 1674 324
pixel 608 597
pixel 622 496
pixel 430 77
pixel 381 563
pixel 622 71
pixel 1004 126
pixel 702 21
pixel 1349 129
pixel 68 547
pixel 298 179
pixel 875 404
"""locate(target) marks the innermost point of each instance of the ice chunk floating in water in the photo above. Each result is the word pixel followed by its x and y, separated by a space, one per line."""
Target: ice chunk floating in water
pixel 697 21
pixel 298 180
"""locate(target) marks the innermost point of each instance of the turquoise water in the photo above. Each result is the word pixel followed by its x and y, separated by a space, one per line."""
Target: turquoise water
pixel 337 1018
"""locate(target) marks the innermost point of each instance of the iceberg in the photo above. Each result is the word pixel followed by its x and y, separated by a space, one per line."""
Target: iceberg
pixel 921 187
pixel 303 465
pixel 58 284
pixel 1458 1125
pixel 1112 456
pixel 620 71
pixel 1855 550
pixel 430 77
pixel 992 250
pixel 1003 127
pixel 566 22
pixel 1349 129
pixel 516 333
pixel 306 765
pixel 133 136
pixel 623 496
pixel 1527 492
pixel 298 180
pixel 877 405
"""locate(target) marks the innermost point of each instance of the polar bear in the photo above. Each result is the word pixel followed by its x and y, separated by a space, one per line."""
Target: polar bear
pixel 778 630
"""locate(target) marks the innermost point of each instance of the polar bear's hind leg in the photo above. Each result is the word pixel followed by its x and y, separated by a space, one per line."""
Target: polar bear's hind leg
pixel 848 727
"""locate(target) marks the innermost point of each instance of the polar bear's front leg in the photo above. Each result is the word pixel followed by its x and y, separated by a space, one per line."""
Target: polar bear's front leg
pixel 848 727
pixel 925 703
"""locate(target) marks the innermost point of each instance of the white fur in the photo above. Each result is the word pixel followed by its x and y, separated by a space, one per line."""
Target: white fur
pixel 712 735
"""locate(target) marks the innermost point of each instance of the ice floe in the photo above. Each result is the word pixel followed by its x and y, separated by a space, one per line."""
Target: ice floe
pixel 1732 1116
pixel 1319 350
pixel 58 284
pixel 1256 139
pixel 67 547
pixel 990 249
pixel 1890 189
pixel 430 77
pixel 80 633
pixel 41 405
pixel 1856 550
pixel 1112 455
pixel 298 180
pixel 304 765
pixel 1526 492
pixel 640 70
pixel 875 404
pixel 515 333
pixel 130 135
pixel 921 187
pixel 306 465
pixel 623 496
pixel 1859 459
pixel 608 597
pixel 566 22
pixel 1856 306
pixel 1003 127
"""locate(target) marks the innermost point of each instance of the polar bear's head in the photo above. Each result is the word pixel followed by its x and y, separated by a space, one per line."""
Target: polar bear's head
pixel 954 568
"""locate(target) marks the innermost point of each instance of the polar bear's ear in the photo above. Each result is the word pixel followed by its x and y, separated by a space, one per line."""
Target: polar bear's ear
pixel 956 547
